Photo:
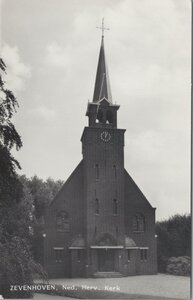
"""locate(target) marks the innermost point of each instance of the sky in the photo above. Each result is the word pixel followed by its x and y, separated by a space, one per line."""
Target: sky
pixel 51 50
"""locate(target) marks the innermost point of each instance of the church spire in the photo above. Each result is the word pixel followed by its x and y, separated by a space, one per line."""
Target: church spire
pixel 102 84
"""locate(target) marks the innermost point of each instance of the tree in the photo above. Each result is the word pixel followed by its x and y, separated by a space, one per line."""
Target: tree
pixel 174 239
pixel 10 187
pixel 16 261
pixel 42 193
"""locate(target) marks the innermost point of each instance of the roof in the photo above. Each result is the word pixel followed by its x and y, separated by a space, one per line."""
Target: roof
pixel 102 84
pixel 129 242
pixel 78 241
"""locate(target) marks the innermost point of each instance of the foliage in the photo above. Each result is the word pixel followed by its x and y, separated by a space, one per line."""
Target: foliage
pixel 16 262
pixel 174 239
pixel 179 265
pixel 10 187
pixel 42 193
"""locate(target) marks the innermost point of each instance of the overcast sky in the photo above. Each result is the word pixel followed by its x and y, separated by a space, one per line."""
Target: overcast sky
pixel 51 50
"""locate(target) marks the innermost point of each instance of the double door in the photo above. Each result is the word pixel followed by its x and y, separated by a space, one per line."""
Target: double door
pixel 106 260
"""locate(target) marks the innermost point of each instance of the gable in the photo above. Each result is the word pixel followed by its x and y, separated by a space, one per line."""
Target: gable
pixel 104 102
pixel 134 196
pixel 71 188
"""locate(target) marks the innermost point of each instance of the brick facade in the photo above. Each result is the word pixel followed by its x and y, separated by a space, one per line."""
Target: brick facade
pixel 100 221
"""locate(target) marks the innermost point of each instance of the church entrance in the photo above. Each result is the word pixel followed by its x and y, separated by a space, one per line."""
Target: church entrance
pixel 106 260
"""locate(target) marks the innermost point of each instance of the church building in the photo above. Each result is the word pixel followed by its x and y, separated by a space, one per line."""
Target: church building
pixel 100 224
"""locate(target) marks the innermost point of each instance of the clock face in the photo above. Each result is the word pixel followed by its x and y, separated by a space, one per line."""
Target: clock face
pixel 105 136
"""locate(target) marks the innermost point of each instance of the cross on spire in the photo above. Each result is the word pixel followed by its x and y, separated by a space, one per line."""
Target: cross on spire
pixel 102 84
pixel 103 28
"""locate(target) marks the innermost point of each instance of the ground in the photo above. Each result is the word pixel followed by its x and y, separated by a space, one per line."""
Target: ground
pixel 48 297
pixel 161 285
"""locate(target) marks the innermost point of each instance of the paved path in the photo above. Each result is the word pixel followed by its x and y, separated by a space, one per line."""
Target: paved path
pixel 49 297
pixel 154 285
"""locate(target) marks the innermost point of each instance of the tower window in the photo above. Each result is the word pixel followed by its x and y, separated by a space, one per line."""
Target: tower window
pixel 115 206
pixel 99 116
pixel 97 171
pixel 143 254
pixel 97 208
pixel 138 223
pixel 62 222
pixel 109 117
pixel 114 172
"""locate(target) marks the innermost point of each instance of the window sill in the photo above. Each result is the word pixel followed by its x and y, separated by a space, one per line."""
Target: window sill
pixel 144 260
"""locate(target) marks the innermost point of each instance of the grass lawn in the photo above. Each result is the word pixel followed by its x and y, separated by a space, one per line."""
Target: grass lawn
pixel 156 287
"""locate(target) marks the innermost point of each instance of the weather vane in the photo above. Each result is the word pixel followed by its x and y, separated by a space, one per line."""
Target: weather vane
pixel 103 28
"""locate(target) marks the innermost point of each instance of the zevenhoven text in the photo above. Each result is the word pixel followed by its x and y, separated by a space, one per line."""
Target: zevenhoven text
pixel 36 287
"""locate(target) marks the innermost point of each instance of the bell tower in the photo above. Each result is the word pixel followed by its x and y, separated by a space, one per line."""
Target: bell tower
pixel 101 111
pixel 103 160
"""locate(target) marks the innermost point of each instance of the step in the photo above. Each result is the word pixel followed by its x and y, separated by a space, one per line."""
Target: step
pixel 107 275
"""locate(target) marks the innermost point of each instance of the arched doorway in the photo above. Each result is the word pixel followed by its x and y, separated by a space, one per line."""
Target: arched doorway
pixel 106 253
pixel 106 260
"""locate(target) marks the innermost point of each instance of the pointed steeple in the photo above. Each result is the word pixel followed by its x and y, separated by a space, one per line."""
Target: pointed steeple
pixel 101 111
pixel 102 84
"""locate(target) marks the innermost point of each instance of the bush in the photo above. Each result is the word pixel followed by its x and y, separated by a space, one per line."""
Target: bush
pixel 179 266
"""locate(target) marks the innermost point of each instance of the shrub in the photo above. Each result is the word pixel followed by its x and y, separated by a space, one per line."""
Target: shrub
pixel 179 266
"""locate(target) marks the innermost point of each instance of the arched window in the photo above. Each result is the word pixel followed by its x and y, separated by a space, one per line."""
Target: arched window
pixel 114 172
pixel 115 207
pixel 143 254
pixel 138 223
pixel 62 222
pixel 97 208
pixel 58 254
pixel 95 230
pixel 97 171
pixel 117 230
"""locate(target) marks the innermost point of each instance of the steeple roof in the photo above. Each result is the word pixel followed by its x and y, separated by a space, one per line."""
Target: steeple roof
pixel 102 84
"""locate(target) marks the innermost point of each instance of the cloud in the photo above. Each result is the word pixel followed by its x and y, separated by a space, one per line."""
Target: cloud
pixel 17 71
pixel 148 52
pixel 57 56
pixel 43 112
pixel 146 145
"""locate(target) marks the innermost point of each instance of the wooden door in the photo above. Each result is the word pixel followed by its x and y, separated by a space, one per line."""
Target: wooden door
pixel 106 260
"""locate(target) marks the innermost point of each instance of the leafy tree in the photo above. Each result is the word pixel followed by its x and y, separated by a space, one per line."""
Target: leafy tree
pixel 16 262
pixel 174 239
pixel 42 193
pixel 10 187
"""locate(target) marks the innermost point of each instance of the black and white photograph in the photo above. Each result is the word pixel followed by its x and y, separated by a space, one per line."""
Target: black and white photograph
pixel 95 149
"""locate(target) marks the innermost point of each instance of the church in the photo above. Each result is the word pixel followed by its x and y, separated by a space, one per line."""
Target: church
pixel 100 224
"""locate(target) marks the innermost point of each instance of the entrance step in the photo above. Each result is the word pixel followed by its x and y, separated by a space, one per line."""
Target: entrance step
pixel 107 275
